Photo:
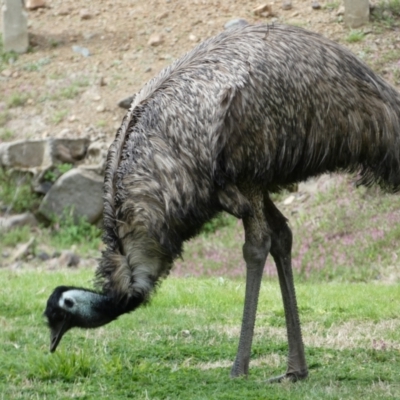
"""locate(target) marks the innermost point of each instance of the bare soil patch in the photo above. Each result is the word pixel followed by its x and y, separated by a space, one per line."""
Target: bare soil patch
pixel 54 90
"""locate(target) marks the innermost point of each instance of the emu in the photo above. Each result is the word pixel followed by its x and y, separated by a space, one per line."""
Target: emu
pixel 244 114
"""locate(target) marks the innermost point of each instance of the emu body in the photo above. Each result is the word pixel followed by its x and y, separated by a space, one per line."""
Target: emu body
pixel 242 115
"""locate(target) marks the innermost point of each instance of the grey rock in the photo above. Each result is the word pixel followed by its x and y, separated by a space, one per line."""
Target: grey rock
pixel 41 154
pixel 69 150
pixel 286 5
pixel 68 259
pixel 15 221
pixel 43 256
pixel 356 13
pixel 25 154
pixel 79 190
pixel 126 103
pixel 81 50
pixel 315 5
pixel 15 26
pixel 43 187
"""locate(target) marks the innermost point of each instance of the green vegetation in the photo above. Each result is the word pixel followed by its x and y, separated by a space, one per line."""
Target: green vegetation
pixel 6 57
pixel 67 232
pixel 222 220
pixel 58 116
pixel 387 59
pixel 333 5
pixel 101 123
pixel 17 100
pixel 182 345
pixel 16 193
pixel 68 90
pixel 54 173
pixel 355 36
pixel 15 236
pixel 36 65
pixel 387 13
pixel 4 116
pixel 6 134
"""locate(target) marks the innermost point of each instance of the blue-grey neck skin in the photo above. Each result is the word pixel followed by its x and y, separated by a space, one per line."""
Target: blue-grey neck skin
pixel 70 307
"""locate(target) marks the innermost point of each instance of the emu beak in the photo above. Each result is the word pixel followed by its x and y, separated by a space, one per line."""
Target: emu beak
pixel 57 332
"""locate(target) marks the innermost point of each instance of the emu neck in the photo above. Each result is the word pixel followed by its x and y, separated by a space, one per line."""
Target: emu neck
pixel 94 309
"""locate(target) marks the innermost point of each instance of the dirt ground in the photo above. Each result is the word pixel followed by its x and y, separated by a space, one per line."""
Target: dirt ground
pixel 53 90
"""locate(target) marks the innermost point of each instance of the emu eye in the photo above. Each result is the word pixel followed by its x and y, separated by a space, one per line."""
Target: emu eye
pixel 69 303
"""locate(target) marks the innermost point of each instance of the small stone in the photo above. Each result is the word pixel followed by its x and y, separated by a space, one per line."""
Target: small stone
pixel 30 102
pixel 69 259
pixel 43 256
pixel 288 200
pixel 193 38
pixel 148 69
pixel 126 103
pixel 85 14
pixel 81 50
pixel 185 333
pixel 155 40
pixel 286 5
pixel 295 14
pixel 340 11
pixel 43 187
pixel 101 108
pixel 102 81
pixel 162 15
pixel 124 47
pixel 315 5
pixel 260 10
pixel 235 23
pixel 63 12
pixel 34 4
pixel 72 118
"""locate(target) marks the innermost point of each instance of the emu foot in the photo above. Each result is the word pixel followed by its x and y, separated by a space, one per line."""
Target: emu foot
pixel 290 376
pixel 240 369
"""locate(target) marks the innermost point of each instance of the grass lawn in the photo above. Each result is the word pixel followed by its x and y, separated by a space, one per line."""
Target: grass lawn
pixel 182 345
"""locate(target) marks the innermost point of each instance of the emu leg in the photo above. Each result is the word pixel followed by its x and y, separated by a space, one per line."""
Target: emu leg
pixel 281 247
pixel 255 251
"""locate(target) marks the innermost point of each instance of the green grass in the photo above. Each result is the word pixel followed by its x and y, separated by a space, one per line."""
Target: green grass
pixel 6 57
pixel 386 13
pixel 16 192
pixel 333 5
pixel 182 345
pixel 6 134
pixel 4 117
pixel 66 232
pixel 58 116
pixel 17 100
pixel 355 36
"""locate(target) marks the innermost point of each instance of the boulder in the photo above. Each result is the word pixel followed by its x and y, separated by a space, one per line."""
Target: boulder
pixel 78 189
pixel 25 154
pixel 41 154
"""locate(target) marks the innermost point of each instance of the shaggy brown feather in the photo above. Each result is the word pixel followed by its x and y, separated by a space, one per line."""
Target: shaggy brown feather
pixel 269 105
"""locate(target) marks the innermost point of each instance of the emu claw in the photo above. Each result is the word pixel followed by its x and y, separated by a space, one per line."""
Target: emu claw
pixel 290 376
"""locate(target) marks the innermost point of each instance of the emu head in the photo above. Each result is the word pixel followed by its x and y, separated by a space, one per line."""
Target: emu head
pixel 70 307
